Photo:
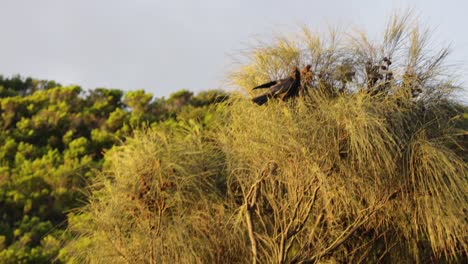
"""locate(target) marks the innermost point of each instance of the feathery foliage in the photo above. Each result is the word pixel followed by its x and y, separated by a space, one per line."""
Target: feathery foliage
pixel 344 174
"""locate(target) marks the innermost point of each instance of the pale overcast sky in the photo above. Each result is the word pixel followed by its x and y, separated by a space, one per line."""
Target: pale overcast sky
pixel 165 46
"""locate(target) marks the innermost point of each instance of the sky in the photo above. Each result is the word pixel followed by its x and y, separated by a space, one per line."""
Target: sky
pixel 168 45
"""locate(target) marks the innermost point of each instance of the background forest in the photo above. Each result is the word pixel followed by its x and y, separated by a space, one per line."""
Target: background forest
pixel 367 167
pixel 52 141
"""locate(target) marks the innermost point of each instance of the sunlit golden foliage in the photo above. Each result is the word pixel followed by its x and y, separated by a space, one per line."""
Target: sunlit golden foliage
pixel 345 176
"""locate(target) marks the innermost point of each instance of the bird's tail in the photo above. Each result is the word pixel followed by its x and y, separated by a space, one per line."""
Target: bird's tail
pixel 265 85
pixel 261 99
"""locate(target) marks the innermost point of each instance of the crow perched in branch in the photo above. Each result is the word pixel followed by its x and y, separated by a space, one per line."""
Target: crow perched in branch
pixel 284 88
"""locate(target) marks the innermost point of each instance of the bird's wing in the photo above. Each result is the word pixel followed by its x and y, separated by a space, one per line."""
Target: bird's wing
pixel 282 87
pixel 292 89
pixel 265 85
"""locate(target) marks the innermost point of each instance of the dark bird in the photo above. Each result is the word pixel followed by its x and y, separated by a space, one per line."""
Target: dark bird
pixel 283 89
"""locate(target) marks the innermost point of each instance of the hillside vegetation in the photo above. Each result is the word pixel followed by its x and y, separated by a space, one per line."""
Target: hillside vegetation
pixel 358 170
pixel 52 140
